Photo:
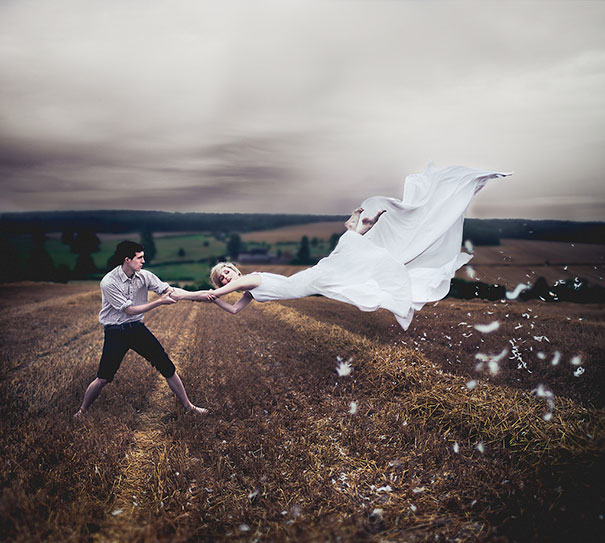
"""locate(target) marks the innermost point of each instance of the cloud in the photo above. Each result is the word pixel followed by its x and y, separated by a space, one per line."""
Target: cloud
pixel 311 106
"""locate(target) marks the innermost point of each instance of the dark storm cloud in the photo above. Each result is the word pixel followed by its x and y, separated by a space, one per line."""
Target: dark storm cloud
pixel 249 106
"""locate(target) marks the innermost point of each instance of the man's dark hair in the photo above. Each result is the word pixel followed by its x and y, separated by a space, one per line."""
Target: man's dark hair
pixel 126 249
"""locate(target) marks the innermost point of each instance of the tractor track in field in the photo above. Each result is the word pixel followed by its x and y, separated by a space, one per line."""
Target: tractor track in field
pixel 139 490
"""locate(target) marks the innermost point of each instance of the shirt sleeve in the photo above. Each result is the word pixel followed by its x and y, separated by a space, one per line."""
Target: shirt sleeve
pixel 115 298
pixel 155 284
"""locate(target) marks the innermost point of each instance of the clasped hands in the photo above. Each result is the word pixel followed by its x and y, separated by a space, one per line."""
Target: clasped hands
pixel 173 295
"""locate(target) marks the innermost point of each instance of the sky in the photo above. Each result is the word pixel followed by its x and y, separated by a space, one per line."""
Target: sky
pixel 304 106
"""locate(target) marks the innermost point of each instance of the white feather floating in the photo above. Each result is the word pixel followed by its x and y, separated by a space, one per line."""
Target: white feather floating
pixel 343 368
pixel 518 290
pixel 487 328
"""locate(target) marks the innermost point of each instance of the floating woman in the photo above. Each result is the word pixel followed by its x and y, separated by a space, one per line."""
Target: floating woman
pixel 396 254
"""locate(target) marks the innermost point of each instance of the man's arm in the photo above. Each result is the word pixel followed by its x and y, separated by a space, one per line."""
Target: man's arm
pixel 154 283
pixel 165 299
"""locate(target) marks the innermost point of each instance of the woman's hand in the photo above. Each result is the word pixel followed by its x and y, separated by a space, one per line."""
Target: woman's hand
pixel 205 296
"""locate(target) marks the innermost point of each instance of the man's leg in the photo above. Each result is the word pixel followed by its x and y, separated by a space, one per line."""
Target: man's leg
pixel 114 349
pixel 176 385
pixel 147 345
pixel 93 390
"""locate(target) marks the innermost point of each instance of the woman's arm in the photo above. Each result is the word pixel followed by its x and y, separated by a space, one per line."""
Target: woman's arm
pixel 247 282
pixel 237 306
pixel 196 296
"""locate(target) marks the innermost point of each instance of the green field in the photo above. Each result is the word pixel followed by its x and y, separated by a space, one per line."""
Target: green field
pixel 195 247
pixel 182 257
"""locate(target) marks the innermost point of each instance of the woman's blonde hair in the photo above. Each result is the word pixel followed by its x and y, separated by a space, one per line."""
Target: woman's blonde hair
pixel 215 272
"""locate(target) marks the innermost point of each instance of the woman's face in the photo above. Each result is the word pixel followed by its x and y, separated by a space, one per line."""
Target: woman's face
pixel 228 274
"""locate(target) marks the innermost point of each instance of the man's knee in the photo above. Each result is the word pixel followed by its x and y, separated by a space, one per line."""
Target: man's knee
pixel 167 369
pixel 100 382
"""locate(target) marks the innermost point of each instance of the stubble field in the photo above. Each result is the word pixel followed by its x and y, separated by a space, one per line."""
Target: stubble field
pixel 433 448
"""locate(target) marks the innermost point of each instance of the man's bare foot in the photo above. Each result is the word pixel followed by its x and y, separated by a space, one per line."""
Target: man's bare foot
pixel 353 220
pixel 197 410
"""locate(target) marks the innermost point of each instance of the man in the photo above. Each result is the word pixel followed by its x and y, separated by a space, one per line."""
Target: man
pixel 124 301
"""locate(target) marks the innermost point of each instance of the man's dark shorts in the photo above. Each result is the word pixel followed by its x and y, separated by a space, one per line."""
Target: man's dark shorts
pixel 136 336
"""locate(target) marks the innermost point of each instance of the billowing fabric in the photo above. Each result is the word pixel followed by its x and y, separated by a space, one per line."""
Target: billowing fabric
pixel 406 260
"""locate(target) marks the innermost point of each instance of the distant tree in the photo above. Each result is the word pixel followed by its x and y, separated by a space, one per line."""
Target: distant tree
pixel 10 268
pixel 40 266
pixel 206 243
pixel 85 266
pixel 234 245
pixel 112 262
pixel 149 245
pixel 304 252
pixel 314 242
pixel 85 241
pixel 181 252
pixel 334 241
pixel 67 237
pixel 62 273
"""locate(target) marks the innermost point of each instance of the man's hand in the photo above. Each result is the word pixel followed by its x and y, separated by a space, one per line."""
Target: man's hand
pixel 177 294
pixel 165 299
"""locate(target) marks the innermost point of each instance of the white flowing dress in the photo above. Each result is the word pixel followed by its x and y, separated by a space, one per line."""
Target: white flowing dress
pixel 406 260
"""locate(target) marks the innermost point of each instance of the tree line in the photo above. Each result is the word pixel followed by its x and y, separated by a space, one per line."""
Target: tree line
pixel 40 265
pixel 124 221
pixel 479 231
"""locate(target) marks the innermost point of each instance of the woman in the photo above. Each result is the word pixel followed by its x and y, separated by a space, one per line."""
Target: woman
pixel 400 262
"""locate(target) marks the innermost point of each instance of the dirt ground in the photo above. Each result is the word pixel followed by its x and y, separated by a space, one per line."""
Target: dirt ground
pixel 416 443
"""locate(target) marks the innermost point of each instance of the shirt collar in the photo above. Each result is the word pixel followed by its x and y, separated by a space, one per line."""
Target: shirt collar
pixel 123 277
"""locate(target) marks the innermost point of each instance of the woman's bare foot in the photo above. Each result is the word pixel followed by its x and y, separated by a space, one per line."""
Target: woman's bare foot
pixel 353 220
pixel 368 222
pixel 78 414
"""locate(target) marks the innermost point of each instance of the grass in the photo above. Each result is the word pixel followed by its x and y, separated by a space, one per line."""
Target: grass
pixel 192 272
pixel 281 458
pixel 196 247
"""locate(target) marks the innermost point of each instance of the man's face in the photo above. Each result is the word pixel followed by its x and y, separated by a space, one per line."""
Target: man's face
pixel 136 263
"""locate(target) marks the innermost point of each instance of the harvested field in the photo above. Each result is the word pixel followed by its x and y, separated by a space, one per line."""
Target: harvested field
pixel 512 262
pixel 520 261
pixel 320 230
pixel 422 456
